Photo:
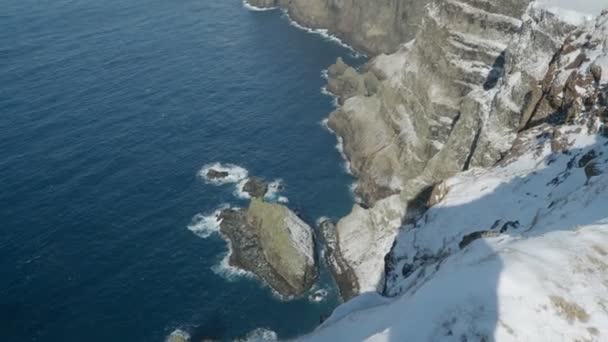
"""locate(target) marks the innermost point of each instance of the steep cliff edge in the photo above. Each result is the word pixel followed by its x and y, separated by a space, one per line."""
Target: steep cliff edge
pixel 524 241
pixel 453 98
pixel 366 25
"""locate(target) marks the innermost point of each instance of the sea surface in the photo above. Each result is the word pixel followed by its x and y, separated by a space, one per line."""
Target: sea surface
pixel 108 112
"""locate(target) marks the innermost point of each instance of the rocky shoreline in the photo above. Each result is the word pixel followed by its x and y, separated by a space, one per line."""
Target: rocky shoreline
pixel 364 25
pixel 266 250
pixel 448 95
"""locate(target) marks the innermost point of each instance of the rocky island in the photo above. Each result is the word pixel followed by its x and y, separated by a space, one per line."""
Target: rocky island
pixel 270 241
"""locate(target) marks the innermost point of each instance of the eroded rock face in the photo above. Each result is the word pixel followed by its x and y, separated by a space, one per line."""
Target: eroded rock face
pixel 366 25
pixel 342 272
pixel 272 242
pixel 452 99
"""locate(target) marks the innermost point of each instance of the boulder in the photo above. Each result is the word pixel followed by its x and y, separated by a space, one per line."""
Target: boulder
pixel 270 241
pixel 255 187
pixel 215 174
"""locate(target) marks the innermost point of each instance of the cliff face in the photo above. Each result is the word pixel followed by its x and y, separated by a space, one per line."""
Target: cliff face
pixel 524 241
pixel 451 99
pixel 370 26
pixel 454 84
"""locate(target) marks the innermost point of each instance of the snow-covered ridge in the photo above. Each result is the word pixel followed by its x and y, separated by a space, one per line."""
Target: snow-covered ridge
pixel 523 242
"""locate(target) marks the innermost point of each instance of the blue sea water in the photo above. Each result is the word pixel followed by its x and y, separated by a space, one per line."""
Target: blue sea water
pixel 108 110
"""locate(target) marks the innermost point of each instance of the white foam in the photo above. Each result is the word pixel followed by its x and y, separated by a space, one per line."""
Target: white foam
pixel 228 272
pixel 205 225
pixel 339 145
pixel 235 173
pixel 318 296
pixel 178 333
pixel 239 192
pixel 321 220
pixel 260 334
pixel 250 7
pixel 334 98
pixel 325 74
pixel 274 189
pixel 325 34
pixel 356 197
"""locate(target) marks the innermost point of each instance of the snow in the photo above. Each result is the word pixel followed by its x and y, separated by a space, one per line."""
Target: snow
pixel 573 12
pixel 551 267
pixel 366 235
pixel 516 252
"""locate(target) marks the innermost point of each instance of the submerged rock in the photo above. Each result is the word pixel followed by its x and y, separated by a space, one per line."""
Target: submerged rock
pixel 178 336
pixel 270 241
pixel 255 187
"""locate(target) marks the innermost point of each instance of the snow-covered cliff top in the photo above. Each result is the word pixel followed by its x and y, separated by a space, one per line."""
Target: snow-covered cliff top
pixel 516 252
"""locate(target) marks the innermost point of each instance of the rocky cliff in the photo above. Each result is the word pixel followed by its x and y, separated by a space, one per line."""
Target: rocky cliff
pixel 369 26
pixel 504 247
pixel 452 99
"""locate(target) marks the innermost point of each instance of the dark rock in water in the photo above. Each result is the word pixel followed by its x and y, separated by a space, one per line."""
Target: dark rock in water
pixel 341 271
pixel 255 187
pixel 214 174
pixel 273 243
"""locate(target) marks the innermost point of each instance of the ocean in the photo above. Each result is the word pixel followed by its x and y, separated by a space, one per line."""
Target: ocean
pixel 109 110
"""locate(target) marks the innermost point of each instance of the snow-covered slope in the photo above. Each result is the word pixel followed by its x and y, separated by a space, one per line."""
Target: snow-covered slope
pixel 517 251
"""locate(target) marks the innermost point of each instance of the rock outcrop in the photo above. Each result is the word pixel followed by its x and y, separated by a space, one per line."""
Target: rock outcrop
pixel 452 99
pixel 366 25
pixel 341 271
pixel 255 187
pixel 270 241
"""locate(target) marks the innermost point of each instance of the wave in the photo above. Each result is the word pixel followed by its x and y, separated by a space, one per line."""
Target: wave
pixel 325 74
pixel 239 192
pixel 259 335
pixel 339 145
pixel 325 34
pixel 353 192
pixel 334 98
pixel 178 335
pixel 235 173
pixel 205 225
pixel 227 271
pixel 250 7
pixel 274 189
pixel 318 296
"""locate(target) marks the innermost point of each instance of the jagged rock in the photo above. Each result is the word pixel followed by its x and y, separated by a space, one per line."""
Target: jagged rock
pixel 592 170
pixel 214 174
pixel 438 193
pixel 337 69
pixel 341 271
pixel 363 24
pixel 371 83
pixel 255 187
pixel 272 242
pixel 596 71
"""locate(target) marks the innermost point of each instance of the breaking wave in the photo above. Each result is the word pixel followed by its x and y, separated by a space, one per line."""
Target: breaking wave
pixel 234 173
